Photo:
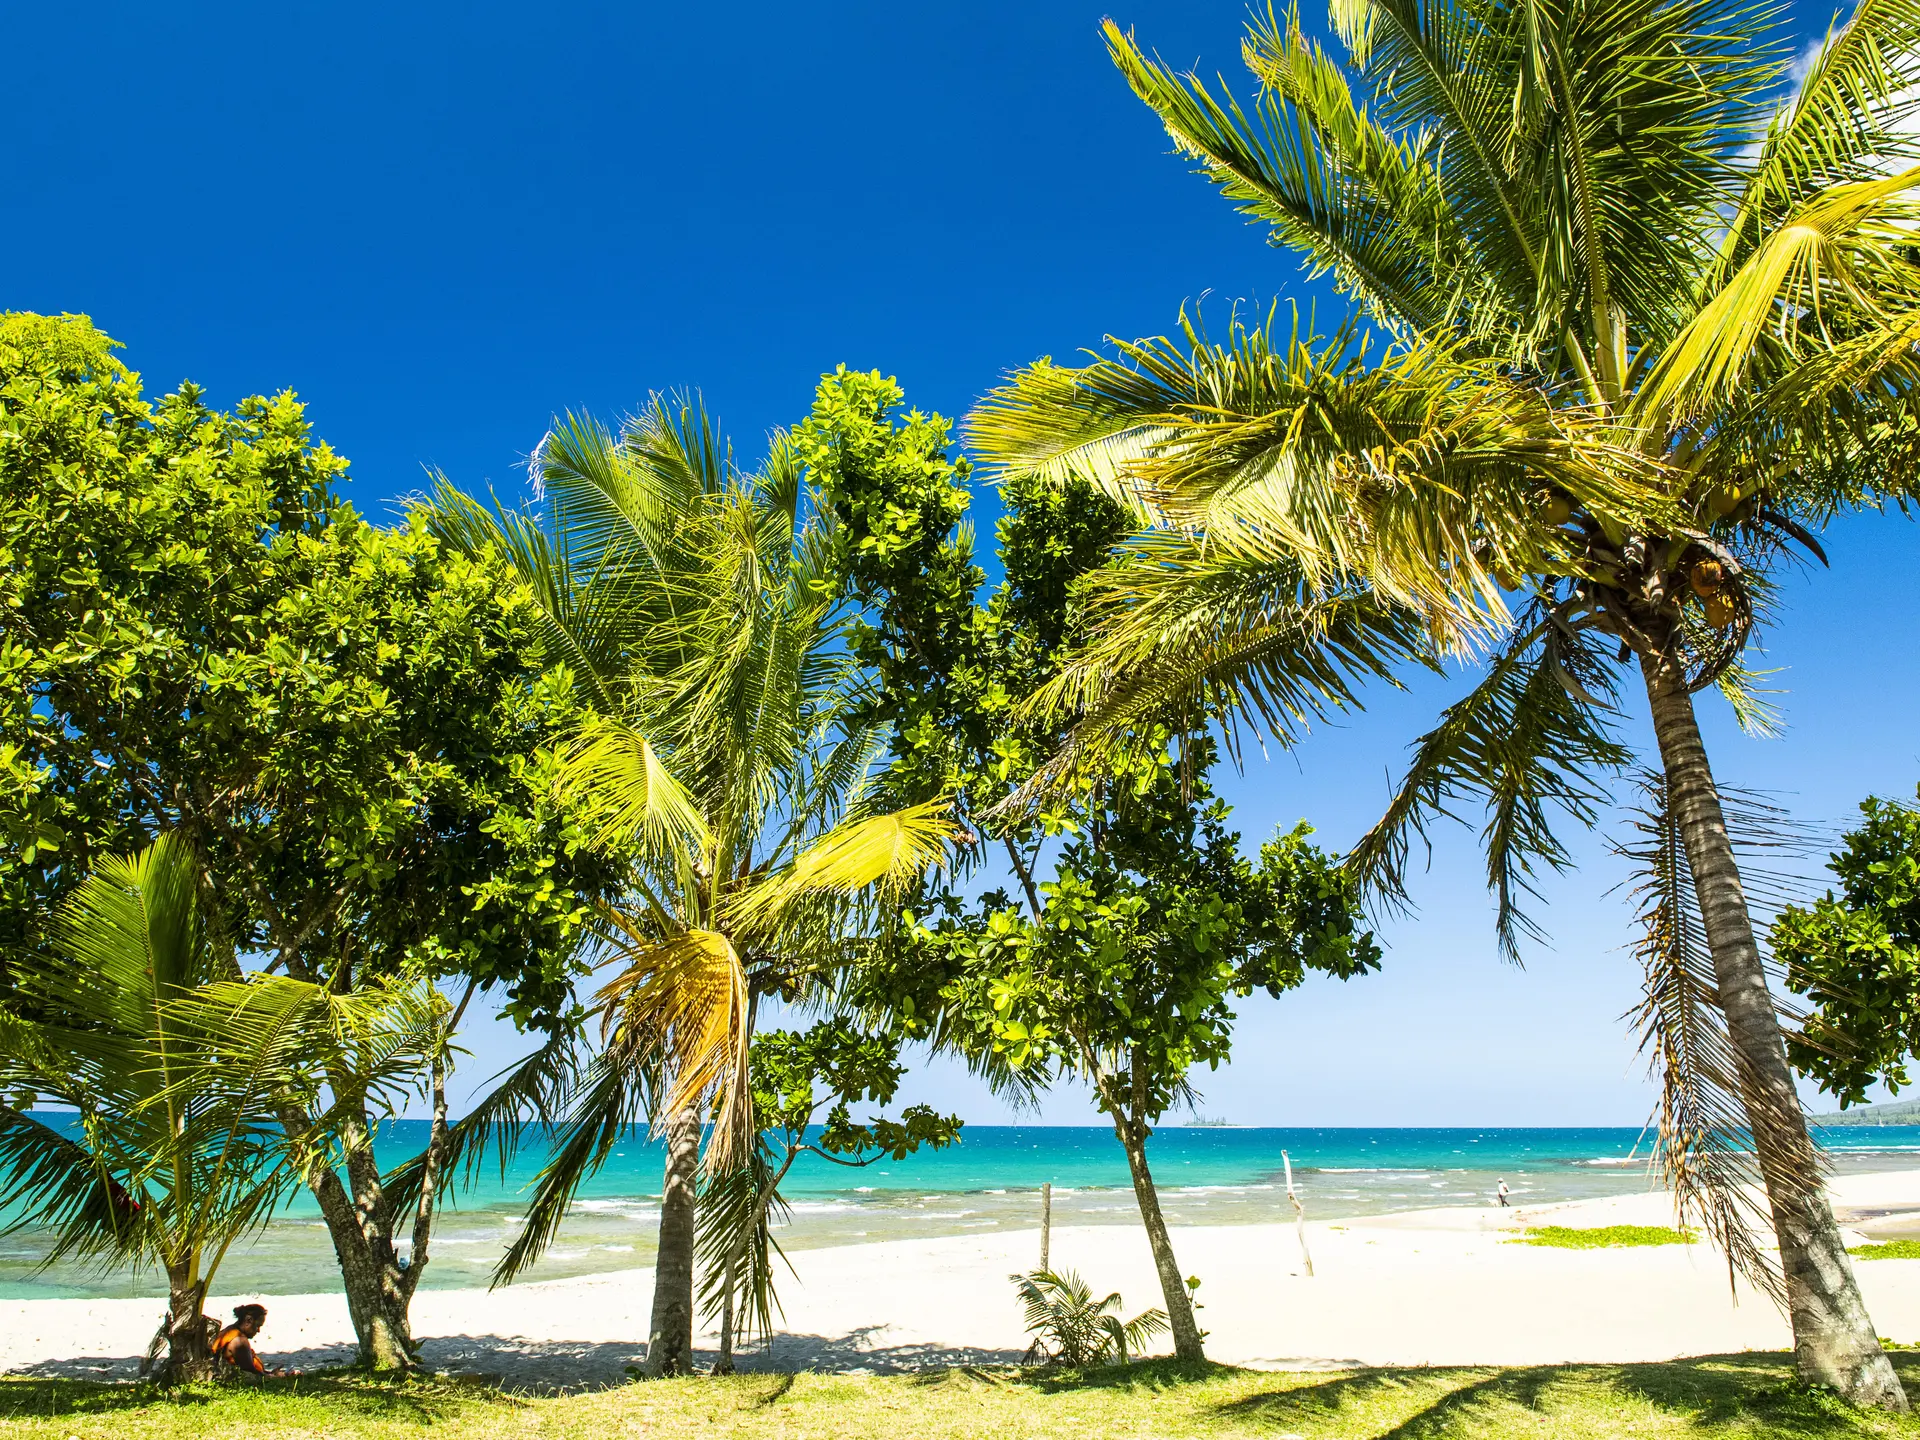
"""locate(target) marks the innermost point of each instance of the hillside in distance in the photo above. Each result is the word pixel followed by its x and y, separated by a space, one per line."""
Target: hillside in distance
pixel 1890 1112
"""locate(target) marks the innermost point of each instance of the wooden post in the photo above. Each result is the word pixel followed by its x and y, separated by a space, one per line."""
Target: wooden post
pixel 1046 1223
pixel 1299 1215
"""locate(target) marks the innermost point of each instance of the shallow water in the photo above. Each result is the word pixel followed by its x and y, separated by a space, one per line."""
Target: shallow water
pixel 990 1181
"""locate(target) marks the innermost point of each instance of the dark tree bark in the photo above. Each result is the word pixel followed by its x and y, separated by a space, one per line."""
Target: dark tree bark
pixel 1833 1336
pixel 1132 1130
pixel 362 1221
pixel 670 1338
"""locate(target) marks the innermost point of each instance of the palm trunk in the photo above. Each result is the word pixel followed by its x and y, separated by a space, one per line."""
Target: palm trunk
pixel 188 1356
pixel 1833 1336
pixel 670 1341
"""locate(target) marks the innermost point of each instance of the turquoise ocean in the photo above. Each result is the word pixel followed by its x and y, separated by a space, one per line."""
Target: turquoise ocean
pixel 989 1181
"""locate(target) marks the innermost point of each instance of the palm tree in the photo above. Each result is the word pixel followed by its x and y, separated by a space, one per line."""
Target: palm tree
pixel 1650 321
pixel 175 1154
pixel 696 607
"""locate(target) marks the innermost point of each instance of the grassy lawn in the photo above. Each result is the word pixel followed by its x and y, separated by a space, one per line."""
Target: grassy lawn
pixel 1602 1237
pixel 1719 1396
pixel 1888 1250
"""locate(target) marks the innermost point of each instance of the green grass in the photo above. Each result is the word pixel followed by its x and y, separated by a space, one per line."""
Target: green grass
pixel 1729 1397
pixel 1888 1250
pixel 1604 1237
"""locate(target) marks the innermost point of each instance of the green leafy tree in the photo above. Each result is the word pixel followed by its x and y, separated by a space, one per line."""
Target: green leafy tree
pixel 1856 957
pixel 832 1065
pixel 350 728
pixel 723 760
pixel 1121 967
pixel 176 1155
pixel 1152 926
pixel 1649 318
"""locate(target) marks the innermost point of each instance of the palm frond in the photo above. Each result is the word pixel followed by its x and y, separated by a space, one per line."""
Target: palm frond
pixel 880 853
pixel 1709 1109
pixel 1532 738
pixel 634 794
pixel 1850 113
pixel 50 1181
pixel 680 1003
pixel 1187 630
pixel 736 1218
pixel 612 1098
pixel 1840 257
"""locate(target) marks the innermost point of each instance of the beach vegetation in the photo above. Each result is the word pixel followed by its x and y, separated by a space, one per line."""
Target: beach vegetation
pixel 1070 1327
pixel 351 729
pixel 1634 304
pixel 1888 1250
pixel 1856 957
pixel 171 1156
pixel 1727 1397
pixel 833 1066
pixel 1129 920
pixel 723 757
pixel 1604 1237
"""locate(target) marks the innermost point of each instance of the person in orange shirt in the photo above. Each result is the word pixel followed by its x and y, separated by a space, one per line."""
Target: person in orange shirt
pixel 234 1345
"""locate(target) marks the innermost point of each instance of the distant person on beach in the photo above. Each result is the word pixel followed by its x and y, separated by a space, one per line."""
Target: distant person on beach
pixel 234 1345
pixel 1502 1193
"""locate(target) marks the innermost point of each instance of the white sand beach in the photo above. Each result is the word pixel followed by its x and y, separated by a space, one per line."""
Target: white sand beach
pixel 1427 1287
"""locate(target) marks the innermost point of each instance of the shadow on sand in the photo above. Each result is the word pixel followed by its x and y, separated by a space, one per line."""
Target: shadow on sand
pixel 558 1367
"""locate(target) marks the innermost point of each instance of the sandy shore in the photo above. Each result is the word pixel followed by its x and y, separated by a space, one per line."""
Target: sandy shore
pixel 1429 1287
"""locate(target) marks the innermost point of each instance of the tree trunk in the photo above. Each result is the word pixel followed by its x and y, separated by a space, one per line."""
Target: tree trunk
pixel 670 1341
pixel 188 1355
pixel 724 1365
pixel 378 1287
pixel 1833 1336
pixel 1186 1331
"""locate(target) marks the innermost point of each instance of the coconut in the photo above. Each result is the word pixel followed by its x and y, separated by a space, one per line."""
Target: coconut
pixel 1706 577
pixel 1557 510
pixel 1720 611
pixel 1723 501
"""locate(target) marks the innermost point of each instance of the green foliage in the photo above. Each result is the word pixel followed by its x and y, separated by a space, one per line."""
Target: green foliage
pixel 1888 1250
pixel 1153 924
pixel 1856 956
pixel 350 726
pixel 178 1153
pixel 794 1073
pixel 836 1064
pixel 1605 1237
pixel 947 671
pixel 1070 1327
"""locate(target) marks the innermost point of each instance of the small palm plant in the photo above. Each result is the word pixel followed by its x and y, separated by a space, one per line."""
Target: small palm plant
pixel 1070 1327
pixel 174 1153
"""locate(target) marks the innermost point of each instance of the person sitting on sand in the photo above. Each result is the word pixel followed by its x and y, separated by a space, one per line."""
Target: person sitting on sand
pixel 234 1345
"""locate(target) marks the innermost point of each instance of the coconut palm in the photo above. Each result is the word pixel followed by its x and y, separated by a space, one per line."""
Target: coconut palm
pixel 1649 316
pixel 695 605
pixel 174 1154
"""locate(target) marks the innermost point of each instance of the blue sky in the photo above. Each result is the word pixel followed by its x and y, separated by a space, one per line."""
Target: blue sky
pixel 441 224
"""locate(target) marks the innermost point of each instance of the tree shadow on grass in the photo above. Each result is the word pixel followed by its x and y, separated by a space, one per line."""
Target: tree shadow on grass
pixel 1756 1392
pixel 423 1400
pixel 1159 1373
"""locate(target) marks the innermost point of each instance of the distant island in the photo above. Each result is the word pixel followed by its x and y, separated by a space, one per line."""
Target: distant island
pixel 1891 1112
pixel 1206 1122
